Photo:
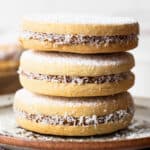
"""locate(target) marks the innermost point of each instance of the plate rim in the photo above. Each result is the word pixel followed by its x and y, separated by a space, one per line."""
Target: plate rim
pixel 116 144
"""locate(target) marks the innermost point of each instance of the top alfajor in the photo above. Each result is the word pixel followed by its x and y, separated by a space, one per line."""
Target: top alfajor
pixel 79 34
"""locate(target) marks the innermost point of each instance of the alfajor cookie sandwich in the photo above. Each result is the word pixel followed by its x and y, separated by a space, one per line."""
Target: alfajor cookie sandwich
pixel 79 34
pixel 73 75
pixel 73 116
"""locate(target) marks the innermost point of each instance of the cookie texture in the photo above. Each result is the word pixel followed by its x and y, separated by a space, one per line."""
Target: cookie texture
pixel 79 34
pixel 73 75
pixel 50 63
pixel 80 116
pixel 86 25
pixel 76 74
pixel 76 90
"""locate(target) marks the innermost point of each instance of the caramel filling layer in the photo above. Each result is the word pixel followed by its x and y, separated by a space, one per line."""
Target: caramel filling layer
pixel 69 39
pixel 75 121
pixel 76 79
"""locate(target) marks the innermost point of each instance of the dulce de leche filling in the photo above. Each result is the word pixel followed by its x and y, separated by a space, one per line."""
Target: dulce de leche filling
pixel 75 121
pixel 76 79
pixel 67 39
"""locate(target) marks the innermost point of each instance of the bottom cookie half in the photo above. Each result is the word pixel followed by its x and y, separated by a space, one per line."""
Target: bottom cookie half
pixel 63 130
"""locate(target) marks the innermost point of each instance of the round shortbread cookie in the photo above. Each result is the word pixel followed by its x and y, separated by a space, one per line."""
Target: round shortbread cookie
pixel 79 34
pixel 73 75
pixel 73 116
pixel 10 51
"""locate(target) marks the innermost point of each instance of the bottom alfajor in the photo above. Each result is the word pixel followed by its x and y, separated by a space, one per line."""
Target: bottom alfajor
pixel 73 116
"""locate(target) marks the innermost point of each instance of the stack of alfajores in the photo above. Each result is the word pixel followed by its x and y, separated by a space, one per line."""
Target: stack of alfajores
pixel 77 74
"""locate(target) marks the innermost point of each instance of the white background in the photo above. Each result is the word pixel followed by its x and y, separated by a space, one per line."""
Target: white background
pixel 11 11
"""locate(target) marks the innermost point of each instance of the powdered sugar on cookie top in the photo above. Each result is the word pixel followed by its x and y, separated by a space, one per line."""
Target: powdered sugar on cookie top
pixel 76 59
pixel 79 19
pixel 69 102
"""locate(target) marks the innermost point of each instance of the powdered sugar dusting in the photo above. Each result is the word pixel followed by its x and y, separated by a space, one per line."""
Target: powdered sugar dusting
pixel 80 19
pixel 31 98
pixel 101 60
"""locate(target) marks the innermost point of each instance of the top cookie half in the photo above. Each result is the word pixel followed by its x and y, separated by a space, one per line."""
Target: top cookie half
pixel 79 34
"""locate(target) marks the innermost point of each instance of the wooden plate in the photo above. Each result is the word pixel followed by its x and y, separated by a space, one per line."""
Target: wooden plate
pixel 137 135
